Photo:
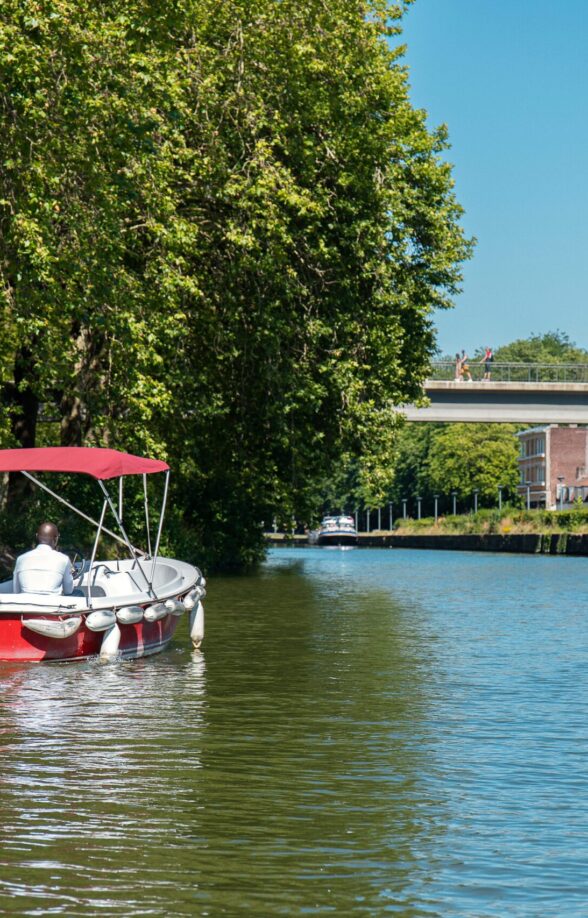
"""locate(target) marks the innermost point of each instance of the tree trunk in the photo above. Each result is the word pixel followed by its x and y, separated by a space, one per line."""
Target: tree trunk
pixel 23 407
pixel 76 421
pixel 72 421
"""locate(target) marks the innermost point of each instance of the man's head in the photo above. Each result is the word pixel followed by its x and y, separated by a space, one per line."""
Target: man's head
pixel 48 534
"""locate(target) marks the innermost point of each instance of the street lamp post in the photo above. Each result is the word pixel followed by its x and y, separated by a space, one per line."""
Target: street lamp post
pixel 476 492
pixel 379 519
pixel 454 496
pixel 419 499
pixel 561 480
pixel 528 484
pixel 356 514
pixel 390 514
pixel 436 496
pixel 500 487
pixel 367 519
pixel 404 500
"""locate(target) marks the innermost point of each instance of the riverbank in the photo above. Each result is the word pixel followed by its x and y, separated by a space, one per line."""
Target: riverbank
pixel 529 543
pixel 507 530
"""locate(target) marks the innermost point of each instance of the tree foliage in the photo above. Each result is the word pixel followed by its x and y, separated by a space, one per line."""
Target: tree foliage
pixel 410 461
pixel 224 229
pixel 550 347
pixel 441 458
pixel 468 457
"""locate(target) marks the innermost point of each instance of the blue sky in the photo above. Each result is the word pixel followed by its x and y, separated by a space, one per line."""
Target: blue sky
pixel 510 79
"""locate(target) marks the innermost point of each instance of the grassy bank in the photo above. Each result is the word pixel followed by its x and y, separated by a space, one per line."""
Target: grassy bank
pixel 508 521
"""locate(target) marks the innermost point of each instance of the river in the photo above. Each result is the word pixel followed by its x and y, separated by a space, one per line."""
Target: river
pixel 366 732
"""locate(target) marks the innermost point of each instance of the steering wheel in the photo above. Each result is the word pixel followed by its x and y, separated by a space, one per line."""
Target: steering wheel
pixel 76 556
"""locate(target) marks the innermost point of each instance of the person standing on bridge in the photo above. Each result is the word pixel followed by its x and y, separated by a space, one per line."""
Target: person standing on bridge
pixel 457 368
pixel 487 360
pixel 464 369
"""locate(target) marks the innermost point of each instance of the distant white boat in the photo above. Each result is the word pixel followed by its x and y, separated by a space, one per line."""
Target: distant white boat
pixel 335 530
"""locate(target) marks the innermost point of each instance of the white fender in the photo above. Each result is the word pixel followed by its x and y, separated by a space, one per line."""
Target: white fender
pixel 54 628
pixel 197 625
pixel 193 597
pixel 110 644
pixel 175 607
pixel 100 620
pixel 155 612
pixel 130 615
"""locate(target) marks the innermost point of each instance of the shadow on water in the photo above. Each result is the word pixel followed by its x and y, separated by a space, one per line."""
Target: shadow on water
pixel 320 695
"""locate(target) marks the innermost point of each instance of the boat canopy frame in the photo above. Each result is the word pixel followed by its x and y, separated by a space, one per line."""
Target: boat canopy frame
pixel 101 464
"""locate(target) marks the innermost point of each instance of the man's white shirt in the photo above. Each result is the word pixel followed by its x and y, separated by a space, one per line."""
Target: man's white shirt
pixel 43 570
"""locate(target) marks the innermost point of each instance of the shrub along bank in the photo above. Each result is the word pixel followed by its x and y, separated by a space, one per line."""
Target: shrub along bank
pixel 508 521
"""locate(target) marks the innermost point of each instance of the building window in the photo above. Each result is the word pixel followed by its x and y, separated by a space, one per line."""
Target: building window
pixel 532 446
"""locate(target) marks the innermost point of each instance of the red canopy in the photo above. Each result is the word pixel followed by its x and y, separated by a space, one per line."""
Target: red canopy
pixel 99 463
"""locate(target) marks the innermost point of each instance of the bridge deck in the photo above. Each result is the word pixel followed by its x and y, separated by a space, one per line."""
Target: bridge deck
pixel 503 402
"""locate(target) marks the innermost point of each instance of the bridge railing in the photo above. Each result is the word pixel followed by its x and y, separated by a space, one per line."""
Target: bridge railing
pixel 515 372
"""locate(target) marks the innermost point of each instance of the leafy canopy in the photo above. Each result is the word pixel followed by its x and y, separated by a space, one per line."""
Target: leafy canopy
pixel 223 233
pixel 551 347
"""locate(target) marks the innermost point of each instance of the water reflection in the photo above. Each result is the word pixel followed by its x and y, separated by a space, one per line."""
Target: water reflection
pixel 365 733
pixel 93 770
pixel 327 738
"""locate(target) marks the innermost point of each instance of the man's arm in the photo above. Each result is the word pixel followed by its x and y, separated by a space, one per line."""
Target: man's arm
pixel 15 578
pixel 68 584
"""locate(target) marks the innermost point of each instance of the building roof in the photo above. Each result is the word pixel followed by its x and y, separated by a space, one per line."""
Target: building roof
pixel 534 430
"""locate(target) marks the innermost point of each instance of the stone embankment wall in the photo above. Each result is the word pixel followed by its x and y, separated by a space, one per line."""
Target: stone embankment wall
pixel 524 543
pixel 521 543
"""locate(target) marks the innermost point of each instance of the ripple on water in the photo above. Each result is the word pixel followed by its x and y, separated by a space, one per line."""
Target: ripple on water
pixel 366 732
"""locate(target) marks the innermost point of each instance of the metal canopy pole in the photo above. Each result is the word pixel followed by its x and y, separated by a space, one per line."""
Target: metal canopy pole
pixel 147 525
pixel 159 528
pixel 122 529
pixel 94 550
pixel 84 516
pixel 120 496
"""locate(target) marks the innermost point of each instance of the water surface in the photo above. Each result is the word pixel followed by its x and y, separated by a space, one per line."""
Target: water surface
pixel 367 732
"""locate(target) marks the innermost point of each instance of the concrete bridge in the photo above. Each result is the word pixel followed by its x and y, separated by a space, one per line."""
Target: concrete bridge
pixel 516 393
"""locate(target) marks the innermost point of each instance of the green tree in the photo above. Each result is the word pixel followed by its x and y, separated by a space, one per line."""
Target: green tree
pixel 339 236
pixel 464 457
pixel 224 230
pixel 411 462
pixel 86 146
pixel 551 347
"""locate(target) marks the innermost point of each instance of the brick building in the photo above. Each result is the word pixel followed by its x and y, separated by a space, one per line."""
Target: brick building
pixel 553 463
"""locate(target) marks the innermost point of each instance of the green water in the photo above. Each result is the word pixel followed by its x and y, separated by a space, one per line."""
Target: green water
pixel 366 732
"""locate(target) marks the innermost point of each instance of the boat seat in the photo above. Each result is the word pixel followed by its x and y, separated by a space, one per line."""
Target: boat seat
pixel 116 583
pixel 94 591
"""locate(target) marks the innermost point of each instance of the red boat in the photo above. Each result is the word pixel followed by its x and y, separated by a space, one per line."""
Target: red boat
pixel 119 609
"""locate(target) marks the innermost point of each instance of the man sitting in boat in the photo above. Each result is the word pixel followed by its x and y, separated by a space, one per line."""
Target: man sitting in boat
pixel 44 569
